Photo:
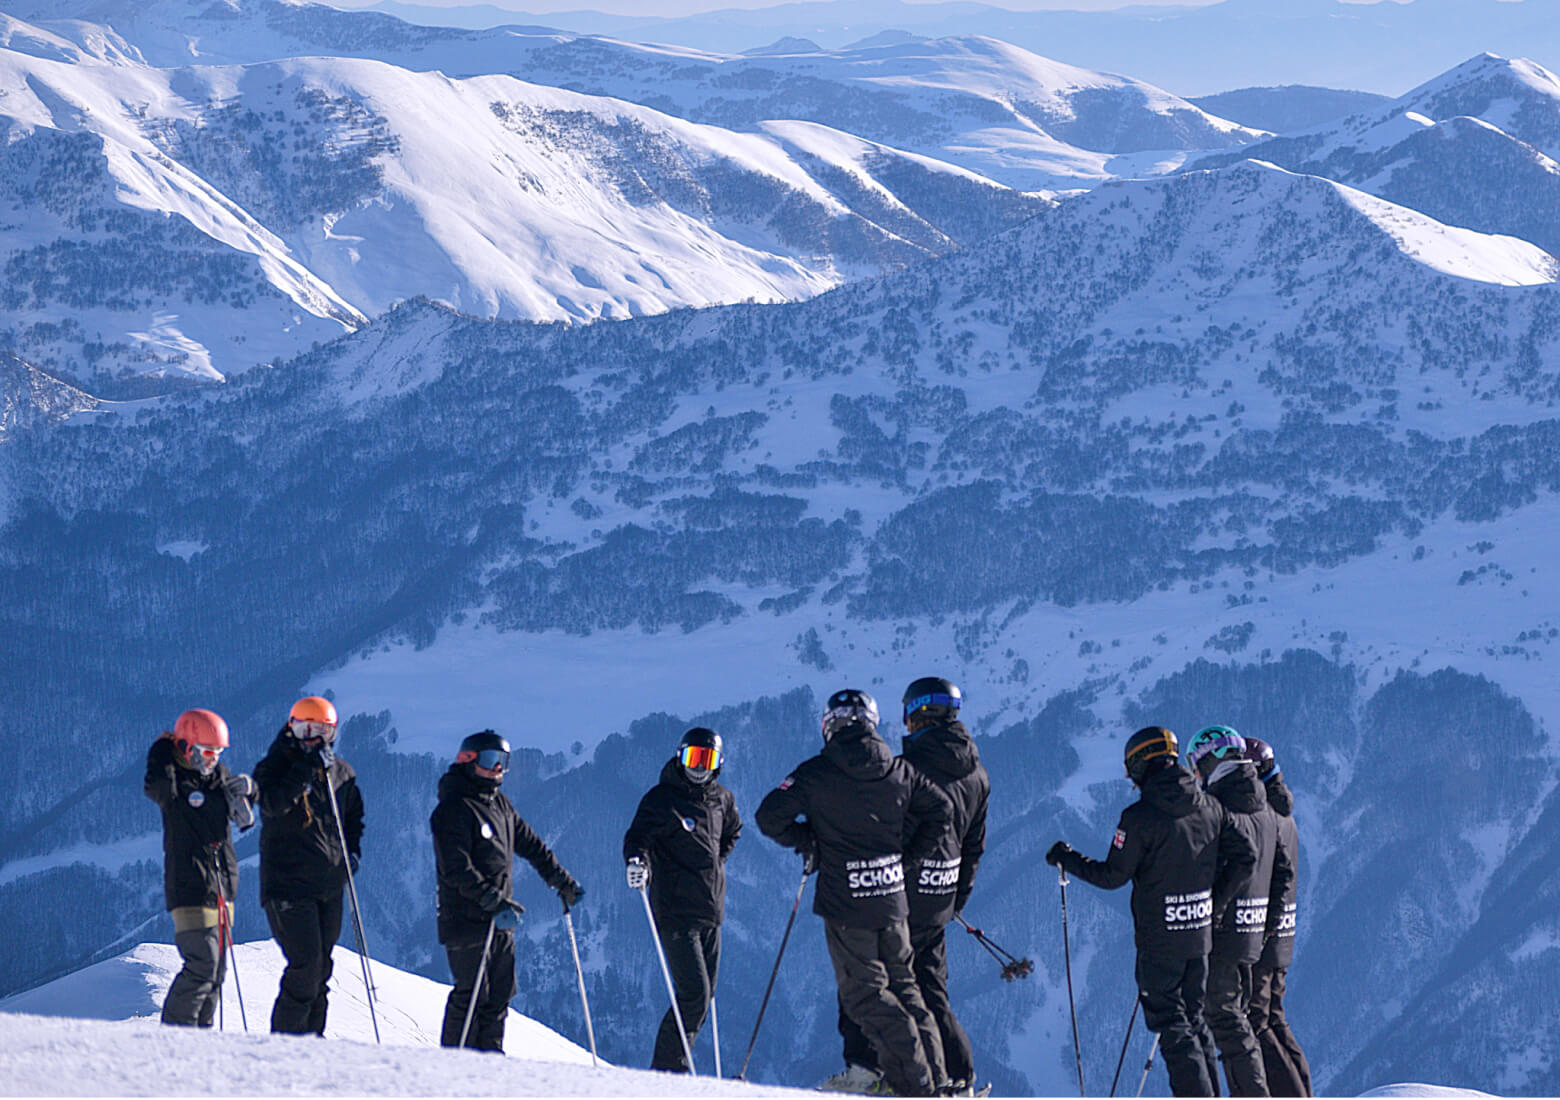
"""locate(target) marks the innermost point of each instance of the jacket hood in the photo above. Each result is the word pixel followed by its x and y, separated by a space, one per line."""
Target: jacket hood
pixel 1171 790
pixel 1240 791
pixel 673 775
pixel 859 752
pixel 1279 796
pixel 945 749
pixel 458 782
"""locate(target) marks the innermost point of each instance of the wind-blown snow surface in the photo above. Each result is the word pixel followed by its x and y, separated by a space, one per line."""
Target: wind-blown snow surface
pixel 57 1040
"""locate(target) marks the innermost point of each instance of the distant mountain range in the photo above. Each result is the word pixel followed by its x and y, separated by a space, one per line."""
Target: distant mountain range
pixel 1194 50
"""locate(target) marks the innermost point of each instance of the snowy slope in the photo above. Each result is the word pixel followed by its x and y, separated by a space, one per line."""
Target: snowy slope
pixel 94 1032
pixel 132 986
pixel 998 110
pixel 1474 147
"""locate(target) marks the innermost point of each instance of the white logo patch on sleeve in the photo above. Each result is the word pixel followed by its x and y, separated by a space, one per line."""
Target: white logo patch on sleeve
pixel 1120 839
pixel 487 831
pixel 785 784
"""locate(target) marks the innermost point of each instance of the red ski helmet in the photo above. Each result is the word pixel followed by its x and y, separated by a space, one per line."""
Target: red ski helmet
pixel 200 736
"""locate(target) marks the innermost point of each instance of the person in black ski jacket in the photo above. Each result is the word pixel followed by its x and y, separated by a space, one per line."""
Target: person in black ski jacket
pixel 676 847
pixel 938 746
pixel 1180 851
pixel 476 836
pixel 198 798
pixel 1285 1064
pixel 846 809
pixel 303 861
pixel 1218 754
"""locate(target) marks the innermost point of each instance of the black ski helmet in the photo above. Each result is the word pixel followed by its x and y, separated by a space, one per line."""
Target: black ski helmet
pixel 1260 753
pixel 847 707
pixel 1145 746
pixel 931 697
pixel 701 754
pixel 485 750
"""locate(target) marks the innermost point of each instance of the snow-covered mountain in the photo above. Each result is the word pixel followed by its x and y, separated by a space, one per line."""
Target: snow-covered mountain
pixel 1474 147
pixel 1241 445
pixel 193 222
pixel 993 108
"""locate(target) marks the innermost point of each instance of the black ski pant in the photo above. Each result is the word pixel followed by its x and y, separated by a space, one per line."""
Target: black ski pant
pixel 930 963
pixel 874 971
pixel 498 989
pixel 1288 1072
pixel 306 929
pixel 197 989
pixel 1229 1004
pixel 693 957
pixel 1172 993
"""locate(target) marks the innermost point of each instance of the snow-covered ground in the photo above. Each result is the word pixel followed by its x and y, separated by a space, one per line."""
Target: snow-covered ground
pixel 95 1033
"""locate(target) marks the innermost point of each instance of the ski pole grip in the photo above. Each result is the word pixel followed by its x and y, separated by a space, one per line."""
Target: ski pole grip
pixel 1061 875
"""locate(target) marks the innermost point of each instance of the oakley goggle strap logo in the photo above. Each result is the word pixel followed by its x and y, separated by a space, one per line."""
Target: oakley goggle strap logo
pixel 699 758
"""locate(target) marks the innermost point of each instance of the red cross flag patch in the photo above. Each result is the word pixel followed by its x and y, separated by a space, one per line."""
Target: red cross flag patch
pixel 1120 839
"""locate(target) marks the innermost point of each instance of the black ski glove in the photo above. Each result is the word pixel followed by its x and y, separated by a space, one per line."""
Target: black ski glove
pixel 808 850
pixel 491 901
pixel 1059 851
pixel 571 892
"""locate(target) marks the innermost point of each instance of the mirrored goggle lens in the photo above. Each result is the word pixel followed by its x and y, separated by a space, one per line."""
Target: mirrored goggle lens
pixel 700 758
pixel 491 759
pixel 209 752
pixel 306 730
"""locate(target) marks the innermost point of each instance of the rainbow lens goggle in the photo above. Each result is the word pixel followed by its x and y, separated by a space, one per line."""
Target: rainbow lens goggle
pixel 699 758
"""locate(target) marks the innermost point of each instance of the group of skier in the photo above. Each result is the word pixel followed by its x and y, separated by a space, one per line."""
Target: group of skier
pixel 894 841
pixel 1212 858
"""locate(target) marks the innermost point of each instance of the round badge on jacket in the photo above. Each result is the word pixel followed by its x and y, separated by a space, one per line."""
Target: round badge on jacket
pixel 197 799
pixel 487 831
pixel 688 824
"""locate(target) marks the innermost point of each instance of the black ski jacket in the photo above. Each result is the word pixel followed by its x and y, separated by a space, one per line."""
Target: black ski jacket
pixel 851 801
pixel 1178 848
pixel 685 831
pixel 1279 951
pixel 198 856
pixel 300 842
pixel 476 836
pixel 940 884
pixel 1243 926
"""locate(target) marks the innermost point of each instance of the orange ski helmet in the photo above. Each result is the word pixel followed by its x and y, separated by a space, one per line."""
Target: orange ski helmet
pixel 313 718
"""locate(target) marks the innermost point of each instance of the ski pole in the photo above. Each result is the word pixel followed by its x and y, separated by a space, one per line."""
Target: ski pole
pixel 579 971
pixel 357 910
pixel 666 972
pixel 715 1032
pixel 768 989
pixel 1148 1065
pixel 1132 1019
pixel 1011 967
pixel 230 952
pixel 476 989
pixel 1072 1007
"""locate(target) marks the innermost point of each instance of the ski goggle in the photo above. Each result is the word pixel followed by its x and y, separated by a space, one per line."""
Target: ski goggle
pixel 936 699
pixel 203 757
pixel 699 758
pixel 306 729
pixel 492 760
